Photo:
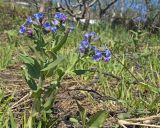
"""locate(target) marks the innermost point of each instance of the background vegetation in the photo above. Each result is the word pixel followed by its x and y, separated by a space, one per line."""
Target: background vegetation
pixel 127 88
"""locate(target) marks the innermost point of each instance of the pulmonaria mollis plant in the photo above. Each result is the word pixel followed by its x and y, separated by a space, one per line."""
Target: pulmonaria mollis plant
pixel 48 34
pixel 86 48
pixel 51 24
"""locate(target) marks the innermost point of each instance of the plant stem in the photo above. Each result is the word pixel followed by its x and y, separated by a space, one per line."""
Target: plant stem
pixel 124 66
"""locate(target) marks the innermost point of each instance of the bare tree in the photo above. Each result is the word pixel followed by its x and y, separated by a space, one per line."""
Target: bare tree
pixel 77 9
pixel 122 8
pixel 102 11
pixel 42 5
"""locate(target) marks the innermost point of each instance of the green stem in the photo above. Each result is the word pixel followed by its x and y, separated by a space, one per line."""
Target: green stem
pixel 126 68
pixel 37 97
pixel 123 65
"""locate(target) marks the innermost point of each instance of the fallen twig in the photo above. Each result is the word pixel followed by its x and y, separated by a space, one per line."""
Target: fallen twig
pixel 19 101
pixel 145 118
pixel 94 94
pixel 125 122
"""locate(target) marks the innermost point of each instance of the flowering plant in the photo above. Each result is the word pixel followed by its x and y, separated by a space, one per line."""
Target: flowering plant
pixel 45 60
pixel 48 35
pixel 87 48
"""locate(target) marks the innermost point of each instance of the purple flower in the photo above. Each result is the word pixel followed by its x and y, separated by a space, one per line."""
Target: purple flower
pixel 47 26
pixel 39 16
pixel 54 29
pixel 82 49
pixel 92 34
pixel 86 36
pixel 60 16
pixel 29 21
pixel 97 56
pixel 70 29
pixel 85 44
pixel 30 32
pixel 22 29
pixel 63 17
pixel 107 55
pixel 94 48
pixel 57 15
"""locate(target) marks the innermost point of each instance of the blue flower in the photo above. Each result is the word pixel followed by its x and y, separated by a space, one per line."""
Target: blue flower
pixel 85 44
pixel 86 36
pixel 55 22
pixel 107 55
pixel 82 49
pixel 22 29
pixel 98 55
pixel 71 28
pixel 47 26
pixel 94 48
pixel 29 21
pixel 63 17
pixel 60 16
pixel 39 16
pixel 54 29
pixel 57 15
pixel 92 34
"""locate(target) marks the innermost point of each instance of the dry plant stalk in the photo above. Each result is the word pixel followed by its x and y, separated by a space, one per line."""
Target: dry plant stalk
pixel 134 122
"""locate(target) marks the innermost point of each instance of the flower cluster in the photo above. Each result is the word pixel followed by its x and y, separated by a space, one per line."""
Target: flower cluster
pixel 60 16
pixel 87 48
pixel 85 44
pixel 57 21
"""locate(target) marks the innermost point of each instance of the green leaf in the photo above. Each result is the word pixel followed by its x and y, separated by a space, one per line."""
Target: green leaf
pixel 30 122
pixel 60 43
pixel 124 115
pixel 40 124
pixel 150 87
pixel 50 95
pixel 81 109
pixel 40 42
pixel 32 66
pixel 26 59
pixel 49 101
pixel 49 73
pixel 31 83
pixel 73 120
pixel 60 72
pixel 80 72
pixel 82 114
pixel 53 86
pixel 97 120
pixel 33 71
pixel 13 123
pixel 1 121
pixel 53 64
pixel 1 94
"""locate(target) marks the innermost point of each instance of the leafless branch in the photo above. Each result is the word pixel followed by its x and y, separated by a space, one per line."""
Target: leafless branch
pixel 102 11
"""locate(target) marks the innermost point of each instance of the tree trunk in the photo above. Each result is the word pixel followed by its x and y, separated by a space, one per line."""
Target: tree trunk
pixel 12 4
pixel 122 8
pixel 42 5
